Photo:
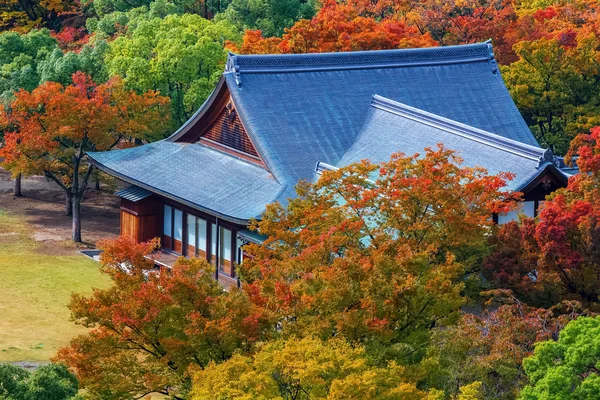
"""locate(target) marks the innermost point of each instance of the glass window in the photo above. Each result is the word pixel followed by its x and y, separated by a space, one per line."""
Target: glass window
pixel 191 233
pixel 178 225
pixel 225 264
pixel 225 244
pixel 213 243
pixel 202 235
pixel 167 220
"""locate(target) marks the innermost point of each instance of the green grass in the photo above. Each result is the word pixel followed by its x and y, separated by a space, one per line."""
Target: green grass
pixel 34 291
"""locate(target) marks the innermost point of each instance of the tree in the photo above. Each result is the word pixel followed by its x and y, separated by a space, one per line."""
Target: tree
pixel 339 27
pixel 271 17
pixel 23 15
pixel 555 258
pixel 54 127
pixel 20 55
pixel 377 261
pixel 555 85
pixel 303 369
pixel 48 382
pixel 488 347
pixel 567 368
pixel 181 56
pixel 155 326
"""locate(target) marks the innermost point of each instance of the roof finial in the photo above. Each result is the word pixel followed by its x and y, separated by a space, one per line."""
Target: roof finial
pixel 547 157
pixel 232 66
pixel 491 58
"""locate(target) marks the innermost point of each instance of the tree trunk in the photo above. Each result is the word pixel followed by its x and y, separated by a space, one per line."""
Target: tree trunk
pixel 68 204
pixel 76 219
pixel 97 183
pixel 17 188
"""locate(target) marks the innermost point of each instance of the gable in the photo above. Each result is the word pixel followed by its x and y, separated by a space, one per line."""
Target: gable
pixel 227 130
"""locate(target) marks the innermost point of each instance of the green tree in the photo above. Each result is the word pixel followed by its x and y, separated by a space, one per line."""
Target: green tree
pixel 20 55
pixel 181 56
pixel 568 368
pixel 48 382
pixel 271 17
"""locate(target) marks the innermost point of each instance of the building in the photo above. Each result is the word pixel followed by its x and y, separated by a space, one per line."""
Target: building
pixel 275 119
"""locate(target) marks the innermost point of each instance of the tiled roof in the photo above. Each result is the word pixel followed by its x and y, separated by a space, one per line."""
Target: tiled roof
pixel 195 175
pixel 394 127
pixel 304 108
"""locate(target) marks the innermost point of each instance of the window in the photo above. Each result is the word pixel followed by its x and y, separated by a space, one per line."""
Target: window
pixel 191 239
pixel 201 238
pixel 178 231
pixel 225 264
pixel 213 244
pixel 196 240
pixel 172 229
pixel 167 239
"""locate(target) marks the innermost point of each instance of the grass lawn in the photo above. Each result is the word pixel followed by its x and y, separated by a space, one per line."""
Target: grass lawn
pixel 35 287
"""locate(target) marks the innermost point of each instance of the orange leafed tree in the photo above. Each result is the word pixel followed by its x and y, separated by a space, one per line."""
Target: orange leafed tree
pixel 51 129
pixel 149 330
pixel 338 27
pixel 376 260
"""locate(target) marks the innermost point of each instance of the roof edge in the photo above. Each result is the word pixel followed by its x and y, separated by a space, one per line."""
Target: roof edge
pixel 118 175
pixel 266 63
pixel 457 128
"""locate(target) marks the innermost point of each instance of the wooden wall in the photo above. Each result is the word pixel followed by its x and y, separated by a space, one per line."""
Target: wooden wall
pixel 140 221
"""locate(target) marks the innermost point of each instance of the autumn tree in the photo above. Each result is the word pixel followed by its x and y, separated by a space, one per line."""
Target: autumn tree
pixel 489 346
pixel 304 369
pixel 566 368
pixel 54 126
pixel 375 260
pixel 149 328
pixel 555 85
pixel 556 257
pixel 338 27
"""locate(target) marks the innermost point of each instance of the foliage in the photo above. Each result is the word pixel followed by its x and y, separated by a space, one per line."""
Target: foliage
pixel 303 369
pixel 155 326
pixel 48 382
pixel 338 27
pixel 567 368
pixel 375 262
pixel 23 15
pixel 489 346
pixel 556 257
pixel 20 56
pixel 271 17
pixel 52 128
pixel 555 84
pixel 181 56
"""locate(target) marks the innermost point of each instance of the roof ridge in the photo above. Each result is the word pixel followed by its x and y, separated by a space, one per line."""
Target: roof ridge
pixel 460 129
pixel 265 63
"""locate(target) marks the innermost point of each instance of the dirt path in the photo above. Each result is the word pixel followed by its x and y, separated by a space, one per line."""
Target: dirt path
pixel 42 205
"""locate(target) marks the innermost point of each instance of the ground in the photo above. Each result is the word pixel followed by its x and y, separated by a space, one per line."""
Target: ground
pixel 40 267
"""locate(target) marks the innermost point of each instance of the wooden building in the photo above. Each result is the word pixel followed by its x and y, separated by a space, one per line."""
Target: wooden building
pixel 273 120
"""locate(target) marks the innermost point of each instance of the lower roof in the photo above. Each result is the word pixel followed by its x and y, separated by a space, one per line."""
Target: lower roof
pixel 392 127
pixel 195 175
